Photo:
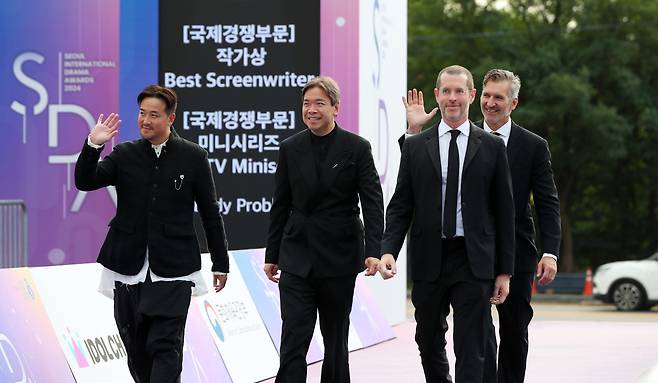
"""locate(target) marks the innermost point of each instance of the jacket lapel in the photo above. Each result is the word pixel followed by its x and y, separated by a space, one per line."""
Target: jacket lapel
pixel 306 162
pixel 513 144
pixel 432 145
pixel 474 140
pixel 339 155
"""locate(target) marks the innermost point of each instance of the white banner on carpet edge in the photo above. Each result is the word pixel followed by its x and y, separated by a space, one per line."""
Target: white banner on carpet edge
pixel 265 295
pixel 237 328
pixel 83 320
pixel 382 82
pixel 29 351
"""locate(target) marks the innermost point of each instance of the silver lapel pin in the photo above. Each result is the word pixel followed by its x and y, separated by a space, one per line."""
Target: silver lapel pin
pixel 177 186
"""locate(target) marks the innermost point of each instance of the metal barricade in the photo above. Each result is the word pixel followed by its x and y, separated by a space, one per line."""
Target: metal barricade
pixel 13 233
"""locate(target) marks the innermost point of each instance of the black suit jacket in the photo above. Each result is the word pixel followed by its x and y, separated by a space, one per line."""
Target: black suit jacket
pixel 315 223
pixel 530 165
pixel 155 206
pixel 487 206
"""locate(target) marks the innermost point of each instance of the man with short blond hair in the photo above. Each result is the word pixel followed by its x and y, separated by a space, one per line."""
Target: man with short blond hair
pixel 456 70
pixel 530 166
pixel 454 191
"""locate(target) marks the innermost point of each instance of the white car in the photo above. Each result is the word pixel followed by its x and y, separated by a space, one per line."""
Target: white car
pixel 630 285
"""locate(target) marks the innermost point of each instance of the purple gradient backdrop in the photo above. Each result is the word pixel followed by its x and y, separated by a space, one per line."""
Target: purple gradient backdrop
pixel 56 234
pixel 339 55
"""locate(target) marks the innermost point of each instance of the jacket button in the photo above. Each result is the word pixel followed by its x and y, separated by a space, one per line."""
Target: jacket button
pixel 153 198
pixel 155 186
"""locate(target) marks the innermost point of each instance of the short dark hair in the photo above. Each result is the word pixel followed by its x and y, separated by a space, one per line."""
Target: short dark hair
pixel 328 85
pixel 168 96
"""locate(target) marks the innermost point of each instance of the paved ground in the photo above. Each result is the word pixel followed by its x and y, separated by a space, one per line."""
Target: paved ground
pixel 578 342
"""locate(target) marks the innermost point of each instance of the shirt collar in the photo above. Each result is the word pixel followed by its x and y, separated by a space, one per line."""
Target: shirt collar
pixel 504 130
pixel 159 146
pixel 464 128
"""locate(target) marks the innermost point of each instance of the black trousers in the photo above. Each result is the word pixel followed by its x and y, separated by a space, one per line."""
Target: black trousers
pixel 469 297
pixel 301 298
pixel 514 317
pixel 151 319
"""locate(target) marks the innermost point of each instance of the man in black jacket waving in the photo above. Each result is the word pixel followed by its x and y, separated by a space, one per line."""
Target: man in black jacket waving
pixel 532 175
pixel 454 192
pixel 151 255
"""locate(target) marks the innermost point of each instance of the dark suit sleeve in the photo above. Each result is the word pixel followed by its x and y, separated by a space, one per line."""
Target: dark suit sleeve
pixel 280 208
pixel 503 205
pixel 547 204
pixel 372 202
pixel 400 209
pixel 213 224
pixel 90 174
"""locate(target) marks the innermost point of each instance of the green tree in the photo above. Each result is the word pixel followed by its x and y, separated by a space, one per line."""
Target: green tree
pixel 589 69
